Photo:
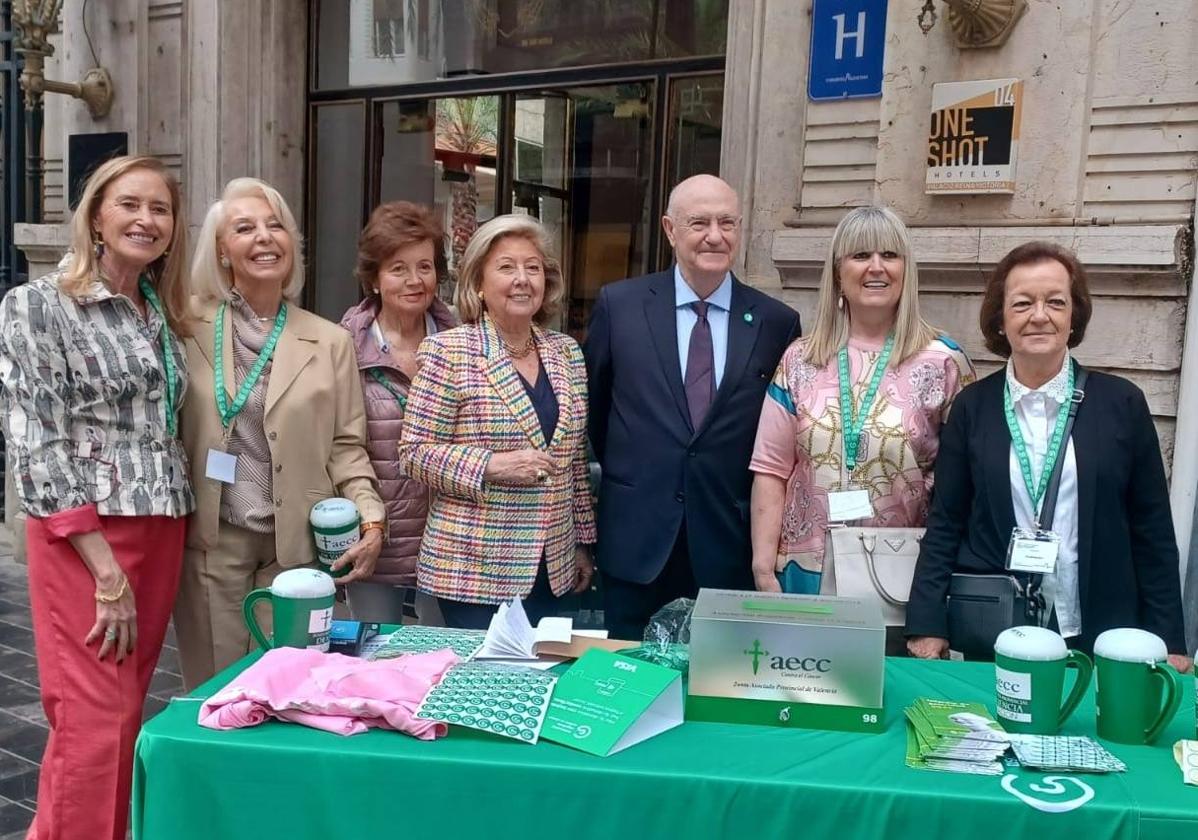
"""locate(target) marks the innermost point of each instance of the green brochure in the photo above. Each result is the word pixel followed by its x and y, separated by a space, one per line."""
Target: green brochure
pixel 958 737
pixel 606 703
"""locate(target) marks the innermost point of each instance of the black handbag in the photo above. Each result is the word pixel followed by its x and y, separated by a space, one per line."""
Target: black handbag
pixel 982 606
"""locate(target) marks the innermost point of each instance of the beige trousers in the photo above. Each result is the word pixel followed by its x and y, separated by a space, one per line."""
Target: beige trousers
pixel 208 622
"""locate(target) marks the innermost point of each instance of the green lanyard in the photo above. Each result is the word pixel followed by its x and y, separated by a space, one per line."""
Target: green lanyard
pixel 168 355
pixel 1035 490
pixel 377 376
pixel 854 424
pixel 228 412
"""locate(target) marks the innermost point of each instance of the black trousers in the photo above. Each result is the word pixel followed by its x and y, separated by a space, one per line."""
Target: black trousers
pixel 539 603
pixel 628 606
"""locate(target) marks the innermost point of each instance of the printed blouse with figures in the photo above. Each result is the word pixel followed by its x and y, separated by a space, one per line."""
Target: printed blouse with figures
pixel 90 402
pixel 801 440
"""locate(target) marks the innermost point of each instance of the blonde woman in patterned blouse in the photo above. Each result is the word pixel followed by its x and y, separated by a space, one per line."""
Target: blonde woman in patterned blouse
pixel 275 391
pixel 93 371
pixel 899 376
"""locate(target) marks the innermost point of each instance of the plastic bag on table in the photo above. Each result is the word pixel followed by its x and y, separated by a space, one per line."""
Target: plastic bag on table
pixel 667 636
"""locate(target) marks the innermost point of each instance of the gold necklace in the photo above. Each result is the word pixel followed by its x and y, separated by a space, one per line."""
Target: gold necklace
pixel 519 352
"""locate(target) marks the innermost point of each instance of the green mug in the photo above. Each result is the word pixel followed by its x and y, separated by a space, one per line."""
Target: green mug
pixel 301 605
pixel 1137 693
pixel 1029 673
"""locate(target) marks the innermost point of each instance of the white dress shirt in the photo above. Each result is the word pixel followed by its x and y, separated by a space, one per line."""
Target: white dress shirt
pixel 1036 411
pixel 719 303
pixel 376 331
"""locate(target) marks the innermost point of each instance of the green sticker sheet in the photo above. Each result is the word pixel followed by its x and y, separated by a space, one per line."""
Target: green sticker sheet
pixel 414 638
pixel 507 700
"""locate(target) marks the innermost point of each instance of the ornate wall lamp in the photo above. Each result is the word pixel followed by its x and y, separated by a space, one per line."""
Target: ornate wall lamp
pixel 34 21
pixel 975 23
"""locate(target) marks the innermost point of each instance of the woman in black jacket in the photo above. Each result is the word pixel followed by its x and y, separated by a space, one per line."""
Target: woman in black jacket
pixel 1116 561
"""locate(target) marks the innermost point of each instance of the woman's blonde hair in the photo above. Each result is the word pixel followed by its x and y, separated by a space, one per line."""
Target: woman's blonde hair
pixel 867 229
pixel 210 281
pixel 470 275
pixel 165 273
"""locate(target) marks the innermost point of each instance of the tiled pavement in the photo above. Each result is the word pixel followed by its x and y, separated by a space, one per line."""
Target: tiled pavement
pixel 22 725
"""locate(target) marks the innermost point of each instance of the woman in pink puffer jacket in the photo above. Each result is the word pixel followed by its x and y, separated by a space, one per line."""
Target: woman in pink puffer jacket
pixel 401 256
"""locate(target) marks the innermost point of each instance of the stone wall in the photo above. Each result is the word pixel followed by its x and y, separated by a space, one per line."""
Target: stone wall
pixel 1108 164
pixel 214 88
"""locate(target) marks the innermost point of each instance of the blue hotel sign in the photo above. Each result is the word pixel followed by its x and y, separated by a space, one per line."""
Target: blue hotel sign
pixel 848 39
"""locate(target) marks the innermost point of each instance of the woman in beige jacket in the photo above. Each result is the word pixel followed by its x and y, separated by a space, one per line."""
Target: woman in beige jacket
pixel 289 431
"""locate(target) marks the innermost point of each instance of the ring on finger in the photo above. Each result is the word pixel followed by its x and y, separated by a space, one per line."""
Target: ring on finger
pixel 542 475
pixel 110 633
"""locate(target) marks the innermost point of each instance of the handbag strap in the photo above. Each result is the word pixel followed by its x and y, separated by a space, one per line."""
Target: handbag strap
pixel 1054 480
pixel 869 543
pixel 1035 600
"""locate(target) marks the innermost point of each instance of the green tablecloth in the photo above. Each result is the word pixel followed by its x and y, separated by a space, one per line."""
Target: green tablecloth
pixel 700 780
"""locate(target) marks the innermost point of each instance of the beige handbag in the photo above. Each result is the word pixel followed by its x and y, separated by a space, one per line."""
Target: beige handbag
pixel 873 564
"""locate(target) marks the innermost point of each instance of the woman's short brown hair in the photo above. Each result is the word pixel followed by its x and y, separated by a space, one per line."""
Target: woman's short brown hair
pixel 392 226
pixel 1030 253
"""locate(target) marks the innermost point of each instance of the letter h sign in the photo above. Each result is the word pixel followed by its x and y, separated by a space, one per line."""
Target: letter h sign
pixel 857 35
pixel 848 40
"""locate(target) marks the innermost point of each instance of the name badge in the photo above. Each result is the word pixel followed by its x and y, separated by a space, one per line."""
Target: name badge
pixel 221 466
pixel 1033 551
pixel 849 504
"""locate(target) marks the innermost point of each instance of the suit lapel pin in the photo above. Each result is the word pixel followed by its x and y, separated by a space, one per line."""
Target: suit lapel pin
pixel 748 317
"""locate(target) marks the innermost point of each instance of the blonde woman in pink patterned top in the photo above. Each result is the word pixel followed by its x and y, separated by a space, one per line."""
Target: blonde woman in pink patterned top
pixel 901 378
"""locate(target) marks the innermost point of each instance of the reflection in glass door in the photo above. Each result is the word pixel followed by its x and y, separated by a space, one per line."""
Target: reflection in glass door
pixel 613 192
pixel 541 162
pixel 582 163
pixel 583 113
pixel 693 122
pixel 579 159
pixel 441 153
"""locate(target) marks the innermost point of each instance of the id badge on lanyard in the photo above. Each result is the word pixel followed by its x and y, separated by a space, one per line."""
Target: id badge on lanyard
pixel 1033 550
pixel 849 503
pixel 221 466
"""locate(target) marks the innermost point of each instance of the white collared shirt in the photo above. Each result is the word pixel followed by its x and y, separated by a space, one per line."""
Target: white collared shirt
pixel 1036 412
pixel 376 331
pixel 719 303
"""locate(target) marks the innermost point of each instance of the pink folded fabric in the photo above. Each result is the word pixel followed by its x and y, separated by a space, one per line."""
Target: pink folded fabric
pixel 330 691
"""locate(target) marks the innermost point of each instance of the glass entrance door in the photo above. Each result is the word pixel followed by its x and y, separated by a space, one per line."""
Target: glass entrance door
pixel 582 163
pixel 594 162
pixel 579 159
pixel 582 113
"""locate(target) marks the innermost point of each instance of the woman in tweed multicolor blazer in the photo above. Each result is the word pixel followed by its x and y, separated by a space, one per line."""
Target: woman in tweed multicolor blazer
pixel 496 427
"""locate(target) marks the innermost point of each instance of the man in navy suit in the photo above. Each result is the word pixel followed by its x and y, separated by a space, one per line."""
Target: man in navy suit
pixel 678 363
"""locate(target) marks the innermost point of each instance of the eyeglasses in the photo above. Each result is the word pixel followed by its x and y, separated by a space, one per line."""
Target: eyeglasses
pixel 702 224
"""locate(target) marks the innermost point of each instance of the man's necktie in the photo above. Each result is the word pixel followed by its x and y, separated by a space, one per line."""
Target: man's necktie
pixel 700 367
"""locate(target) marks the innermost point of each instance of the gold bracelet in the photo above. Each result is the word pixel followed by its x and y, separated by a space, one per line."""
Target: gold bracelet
pixel 372 526
pixel 116 596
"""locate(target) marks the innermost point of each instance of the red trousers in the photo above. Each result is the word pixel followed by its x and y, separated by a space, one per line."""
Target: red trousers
pixel 94 707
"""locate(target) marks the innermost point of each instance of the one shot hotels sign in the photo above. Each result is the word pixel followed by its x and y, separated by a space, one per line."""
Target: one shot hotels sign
pixel 974 136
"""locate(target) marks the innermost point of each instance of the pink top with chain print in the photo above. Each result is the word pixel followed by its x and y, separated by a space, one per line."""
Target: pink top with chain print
pixel 800 439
